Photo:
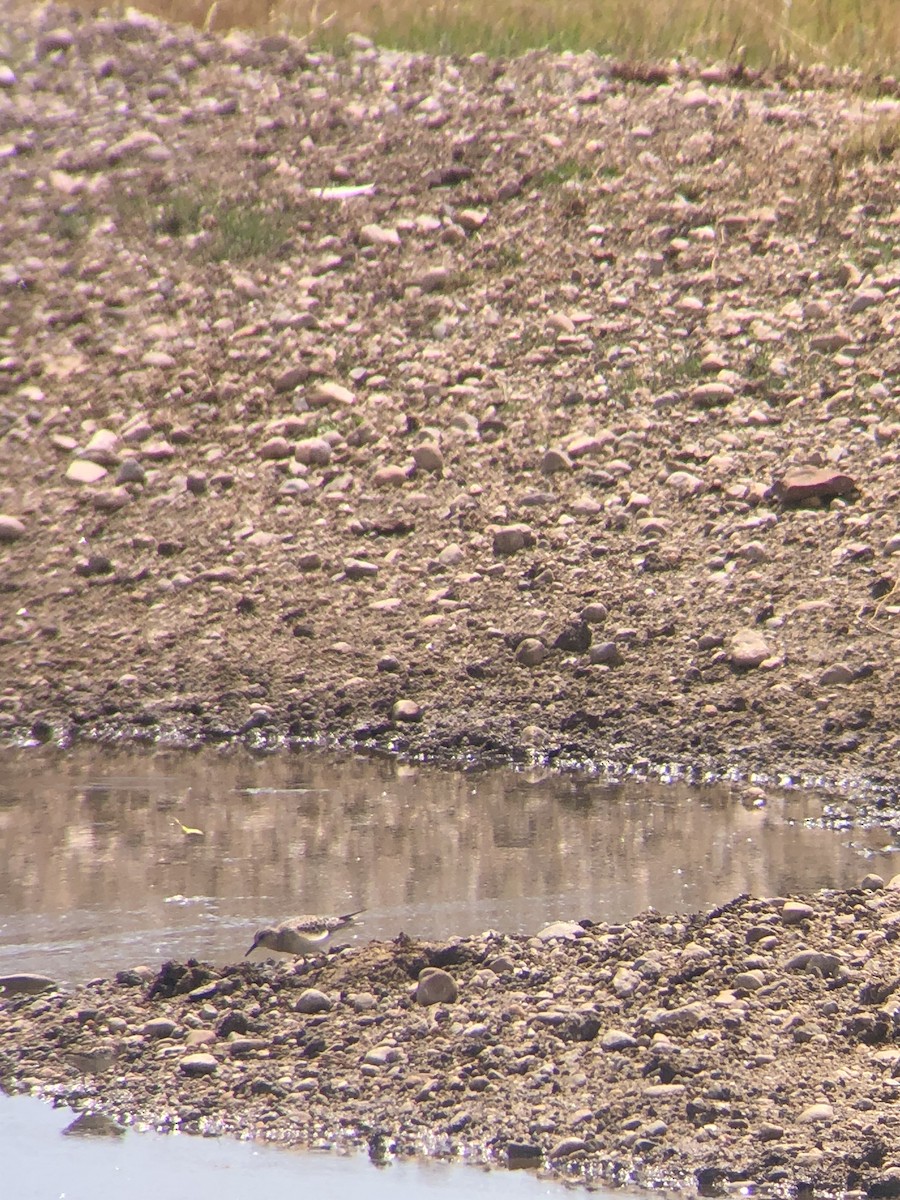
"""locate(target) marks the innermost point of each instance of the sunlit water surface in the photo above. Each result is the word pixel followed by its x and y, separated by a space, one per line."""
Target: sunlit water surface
pixel 40 1163
pixel 97 872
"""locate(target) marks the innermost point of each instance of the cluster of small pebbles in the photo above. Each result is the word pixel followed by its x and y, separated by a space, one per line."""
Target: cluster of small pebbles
pixel 751 1045
pixel 455 407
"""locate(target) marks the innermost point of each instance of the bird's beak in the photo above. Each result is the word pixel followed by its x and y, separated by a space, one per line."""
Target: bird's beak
pixel 252 948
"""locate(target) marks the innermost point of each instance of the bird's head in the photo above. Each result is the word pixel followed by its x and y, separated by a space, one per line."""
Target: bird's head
pixel 263 938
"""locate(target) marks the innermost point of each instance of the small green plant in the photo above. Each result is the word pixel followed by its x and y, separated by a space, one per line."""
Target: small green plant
pixel 73 223
pixel 567 170
pixel 247 229
pixel 506 258
pixel 180 214
pixel 689 369
pixel 235 229
pixel 763 33
pixel 759 362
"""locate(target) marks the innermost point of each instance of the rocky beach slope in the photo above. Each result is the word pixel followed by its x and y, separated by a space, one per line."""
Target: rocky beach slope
pixel 542 407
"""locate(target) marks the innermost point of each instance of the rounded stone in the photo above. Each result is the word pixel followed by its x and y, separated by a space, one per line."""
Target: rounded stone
pixel 436 987
pixel 195 1065
pixel 82 470
pixel 530 652
pixel 313 451
pixel 313 1001
pixel 428 457
pixel 748 649
pixel 794 912
pixel 606 653
pixel 11 528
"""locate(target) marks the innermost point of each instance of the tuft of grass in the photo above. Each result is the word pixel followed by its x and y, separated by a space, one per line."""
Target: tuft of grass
pixel 873 141
pixel 568 170
pixel 180 214
pixel 247 229
pixel 74 223
pixel 858 33
pixel 235 229
pixel 689 370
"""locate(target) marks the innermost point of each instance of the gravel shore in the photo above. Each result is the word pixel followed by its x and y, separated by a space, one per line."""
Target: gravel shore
pixel 752 1044
pixel 535 409
pixel 532 408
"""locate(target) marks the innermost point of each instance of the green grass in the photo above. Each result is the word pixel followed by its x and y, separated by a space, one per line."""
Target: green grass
pixel 74 223
pixel 860 33
pixel 568 170
pixel 234 230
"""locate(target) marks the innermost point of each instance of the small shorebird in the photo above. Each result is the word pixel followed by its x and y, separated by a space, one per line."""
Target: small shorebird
pixel 302 935
pixel 94 1061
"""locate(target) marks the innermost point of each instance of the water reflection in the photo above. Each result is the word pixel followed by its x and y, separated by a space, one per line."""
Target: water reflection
pixel 97 873
pixel 38 1163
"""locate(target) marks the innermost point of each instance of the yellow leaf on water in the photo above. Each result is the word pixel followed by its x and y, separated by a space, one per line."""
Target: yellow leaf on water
pixel 187 830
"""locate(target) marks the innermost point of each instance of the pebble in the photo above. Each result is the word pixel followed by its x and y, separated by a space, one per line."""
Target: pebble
pixel 567 1146
pixel 594 614
pixel 436 987
pixel 839 673
pixel 575 638
pixel 866 298
pixel 711 395
pixel 567 930
pixel 828 343
pixel 427 457
pixel 382 1056
pixel 815 1113
pixel 326 394
pixel 102 448
pixel 81 470
pixel 390 476
pixel 749 981
pixel 275 448
pixel 130 471
pixel 814 962
pixel 606 653
pixel 795 486
pixel 406 710
pixel 313 1001
pixel 530 652
pixel 685 483
pixel 681 1019
pixel 617 1039
pixel 871 883
pixel 359 568
pixel 795 911
pixel 195 1065
pixel 313 451
pixel 25 985
pixel 522 1154
pixel 377 235
pixel 158 1027
pixel 768 1132
pixel 554 461
pixel 11 528
pixel 748 649
pixel 510 539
